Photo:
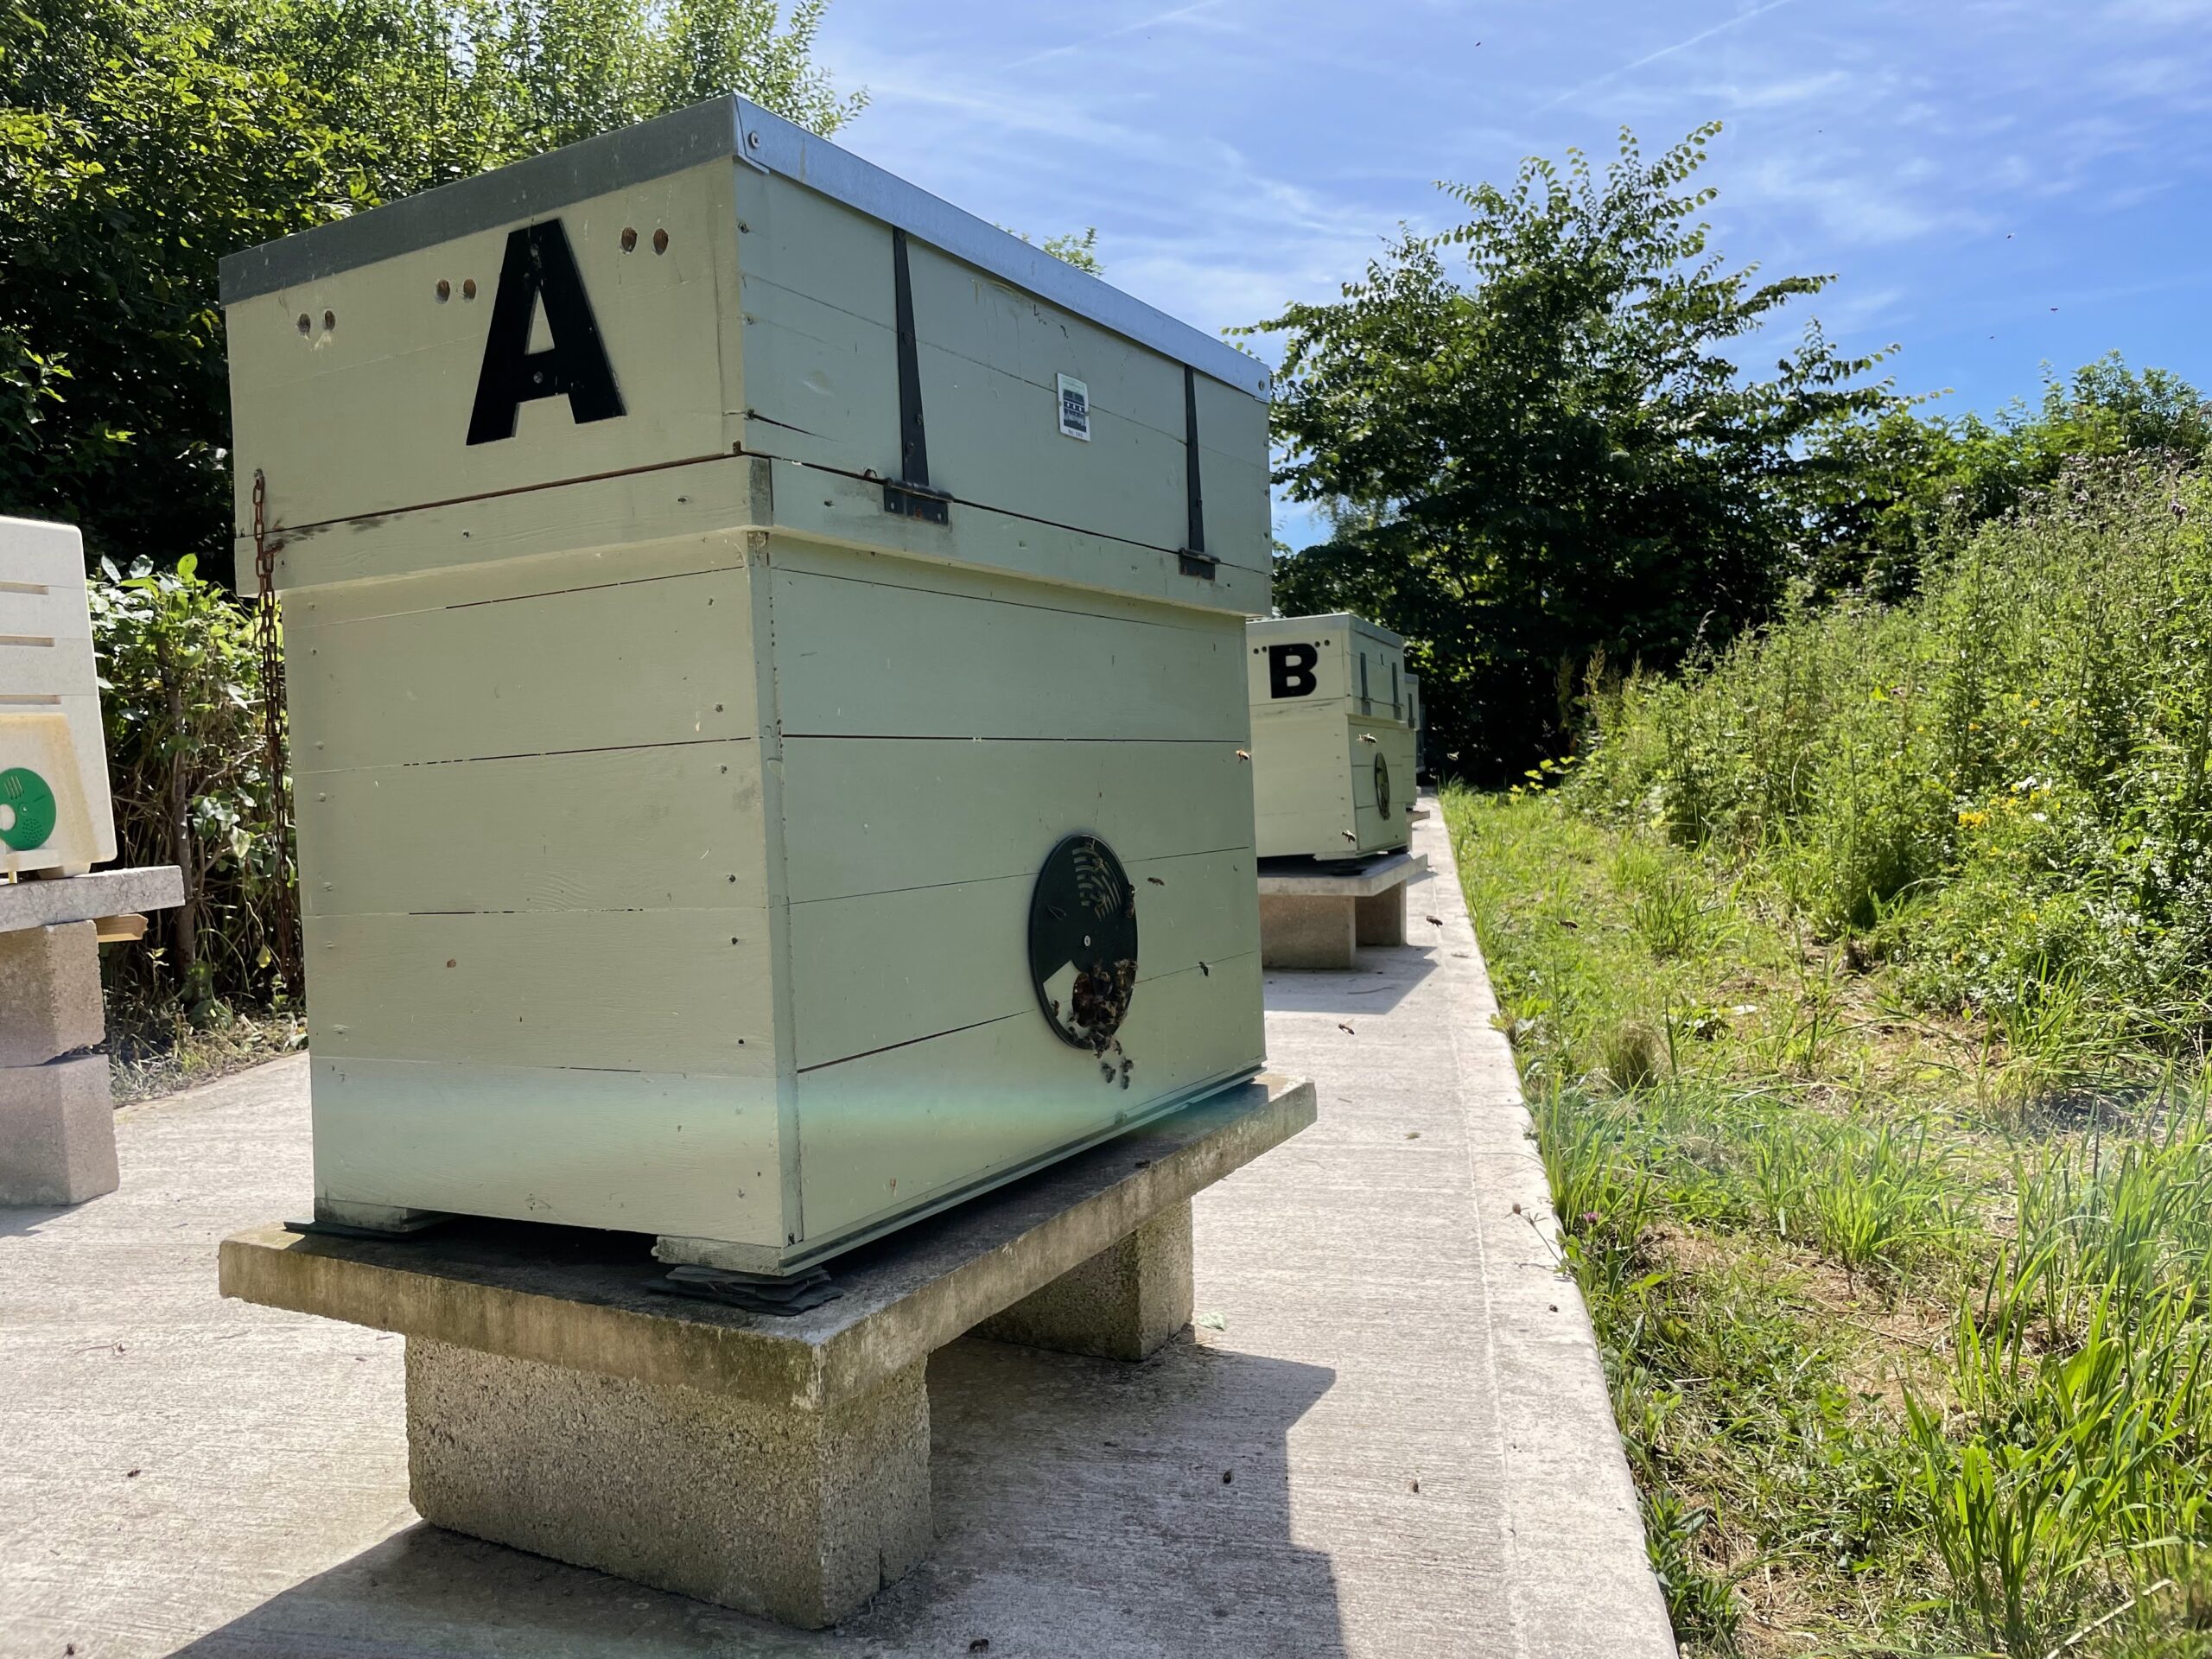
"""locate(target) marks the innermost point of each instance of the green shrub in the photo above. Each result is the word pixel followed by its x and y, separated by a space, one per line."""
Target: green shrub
pixel 181 697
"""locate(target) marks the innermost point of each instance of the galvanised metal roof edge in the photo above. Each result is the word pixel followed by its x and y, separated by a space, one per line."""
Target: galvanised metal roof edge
pixel 727 127
pixel 1349 621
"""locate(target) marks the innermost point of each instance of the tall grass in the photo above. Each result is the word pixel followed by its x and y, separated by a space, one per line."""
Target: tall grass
pixel 2006 782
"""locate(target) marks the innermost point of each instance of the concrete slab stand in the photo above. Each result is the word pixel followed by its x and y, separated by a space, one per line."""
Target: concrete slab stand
pixel 57 1128
pixel 560 1400
pixel 1312 916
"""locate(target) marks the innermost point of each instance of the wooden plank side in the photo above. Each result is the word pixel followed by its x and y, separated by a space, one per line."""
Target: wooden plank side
pixel 994 438
pixel 1231 423
pixel 823 384
pixel 869 815
pixel 644 1150
pixel 807 245
pixel 886 1132
pixel 666 990
pixel 1394 743
pixel 805 242
pixel 370 412
pixel 889 968
pixel 1301 785
pixel 666 661
pixel 1239 510
pixel 825 393
pixel 636 524
pixel 864 658
pixel 827 508
pixel 991 322
pixel 670 828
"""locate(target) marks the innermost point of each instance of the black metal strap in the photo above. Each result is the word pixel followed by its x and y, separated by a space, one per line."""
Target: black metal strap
pixel 911 495
pixel 1193 560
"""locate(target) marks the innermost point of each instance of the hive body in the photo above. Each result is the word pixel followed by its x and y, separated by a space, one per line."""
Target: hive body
pixel 56 812
pixel 672 782
pixel 1333 738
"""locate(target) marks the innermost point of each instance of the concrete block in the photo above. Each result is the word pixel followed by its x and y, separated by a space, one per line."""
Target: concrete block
pixel 793 1515
pixel 1123 1303
pixel 57 1132
pixel 1381 918
pixel 49 993
pixel 1308 931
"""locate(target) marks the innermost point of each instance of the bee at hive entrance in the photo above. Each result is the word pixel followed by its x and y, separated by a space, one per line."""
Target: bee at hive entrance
pixel 1083 942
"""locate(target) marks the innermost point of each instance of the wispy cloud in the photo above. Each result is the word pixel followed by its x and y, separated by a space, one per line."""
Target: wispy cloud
pixel 1664 52
pixel 1964 167
pixel 1177 15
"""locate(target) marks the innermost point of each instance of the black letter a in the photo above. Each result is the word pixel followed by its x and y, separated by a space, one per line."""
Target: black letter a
pixel 539 266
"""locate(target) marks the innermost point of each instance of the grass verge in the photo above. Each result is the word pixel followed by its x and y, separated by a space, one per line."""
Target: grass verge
pixel 1904 1314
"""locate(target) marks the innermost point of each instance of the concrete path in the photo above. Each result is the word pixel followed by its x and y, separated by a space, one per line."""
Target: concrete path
pixel 1389 1435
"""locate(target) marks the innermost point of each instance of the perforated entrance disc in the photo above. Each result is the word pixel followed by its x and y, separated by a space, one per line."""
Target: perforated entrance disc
pixel 27 810
pixel 1382 784
pixel 1083 942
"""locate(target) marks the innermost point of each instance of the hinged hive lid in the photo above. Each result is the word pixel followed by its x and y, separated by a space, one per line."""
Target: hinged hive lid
pixel 716 285
pixel 1339 661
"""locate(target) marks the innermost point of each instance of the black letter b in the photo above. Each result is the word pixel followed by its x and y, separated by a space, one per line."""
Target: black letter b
pixel 1290 670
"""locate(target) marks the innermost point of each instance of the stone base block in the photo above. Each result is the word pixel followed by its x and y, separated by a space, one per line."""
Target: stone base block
pixel 1123 1303
pixel 57 1132
pixel 1382 919
pixel 49 993
pixel 1307 930
pixel 796 1515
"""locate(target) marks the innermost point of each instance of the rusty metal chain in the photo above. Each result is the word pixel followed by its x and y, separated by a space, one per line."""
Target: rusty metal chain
pixel 267 635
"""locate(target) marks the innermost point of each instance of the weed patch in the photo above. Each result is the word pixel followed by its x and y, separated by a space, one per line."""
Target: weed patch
pixel 1903 1304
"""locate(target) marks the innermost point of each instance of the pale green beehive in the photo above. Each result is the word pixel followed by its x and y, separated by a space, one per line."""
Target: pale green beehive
pixel 56 812
pixel 717 575
pixel 1333 738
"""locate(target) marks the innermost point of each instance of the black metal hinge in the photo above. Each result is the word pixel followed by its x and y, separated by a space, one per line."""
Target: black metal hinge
pixel 910 495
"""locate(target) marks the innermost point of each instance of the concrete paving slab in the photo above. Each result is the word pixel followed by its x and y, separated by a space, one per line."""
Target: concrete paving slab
pixel 53 900
pixel 1388 1436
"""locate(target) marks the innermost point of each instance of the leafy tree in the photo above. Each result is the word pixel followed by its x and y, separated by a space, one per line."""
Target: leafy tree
pixel 1540 447
pixel 142 140
pixel 1882 495
pixel 1080 250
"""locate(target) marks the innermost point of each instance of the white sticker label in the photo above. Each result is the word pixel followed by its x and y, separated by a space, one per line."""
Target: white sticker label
pixel 1074 409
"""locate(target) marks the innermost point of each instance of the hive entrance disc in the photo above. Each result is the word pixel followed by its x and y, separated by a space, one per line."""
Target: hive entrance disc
pixel 27 810
pixel 1083 942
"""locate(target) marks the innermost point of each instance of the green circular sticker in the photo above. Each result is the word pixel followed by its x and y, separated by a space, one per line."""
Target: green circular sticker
pixel 26 800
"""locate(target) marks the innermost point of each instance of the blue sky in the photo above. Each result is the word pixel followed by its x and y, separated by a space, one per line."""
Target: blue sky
pixel 1995 183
